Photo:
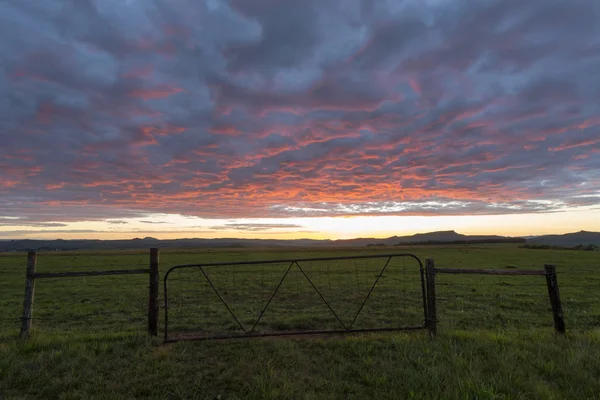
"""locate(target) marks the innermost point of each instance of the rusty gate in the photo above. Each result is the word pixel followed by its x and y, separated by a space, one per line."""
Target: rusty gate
pixel 330 293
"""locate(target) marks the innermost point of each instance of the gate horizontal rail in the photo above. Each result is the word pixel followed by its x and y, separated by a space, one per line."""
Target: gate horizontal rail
pixel 285 260
pixel 295 333
pixel 293 262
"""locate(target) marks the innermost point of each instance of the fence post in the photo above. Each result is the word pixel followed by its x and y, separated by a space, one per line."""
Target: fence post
pixel 431 307
pixel 29 292
pixel 554 294
pixel 153 294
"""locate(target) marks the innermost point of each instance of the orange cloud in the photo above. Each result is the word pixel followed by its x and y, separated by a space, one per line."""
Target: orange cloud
pixel 164 130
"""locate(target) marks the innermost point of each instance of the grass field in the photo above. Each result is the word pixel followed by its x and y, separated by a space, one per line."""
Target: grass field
pixel 495 335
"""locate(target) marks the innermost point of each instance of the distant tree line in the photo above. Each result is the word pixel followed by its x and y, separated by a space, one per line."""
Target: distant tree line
pixel 581 247
pixel 465 241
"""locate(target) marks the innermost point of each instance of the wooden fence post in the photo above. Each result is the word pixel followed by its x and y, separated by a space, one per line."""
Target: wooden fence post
pixel 153 294
pixel 431 307
pixel 29 292
pixel 554 294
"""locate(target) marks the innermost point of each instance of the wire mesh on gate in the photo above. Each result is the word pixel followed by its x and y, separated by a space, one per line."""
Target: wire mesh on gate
pixel 276 297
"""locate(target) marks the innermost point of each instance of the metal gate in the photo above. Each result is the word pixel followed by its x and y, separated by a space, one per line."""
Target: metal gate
pixel 385 277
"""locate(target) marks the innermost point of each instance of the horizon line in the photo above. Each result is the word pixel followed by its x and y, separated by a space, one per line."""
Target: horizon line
pixel 298 239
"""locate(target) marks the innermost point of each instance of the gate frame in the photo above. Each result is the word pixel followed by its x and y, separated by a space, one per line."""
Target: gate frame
pixel 424 325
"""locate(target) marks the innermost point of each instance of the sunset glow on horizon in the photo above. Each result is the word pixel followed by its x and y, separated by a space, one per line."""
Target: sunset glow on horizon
pixel 165 226
pixel 286 119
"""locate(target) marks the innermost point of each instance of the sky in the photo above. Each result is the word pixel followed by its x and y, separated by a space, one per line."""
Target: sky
pixel 287 119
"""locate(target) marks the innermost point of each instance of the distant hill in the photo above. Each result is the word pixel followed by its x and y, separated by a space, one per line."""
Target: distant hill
pixel 439 237
pixel 582 238
pixel 443 237
pixel 137 243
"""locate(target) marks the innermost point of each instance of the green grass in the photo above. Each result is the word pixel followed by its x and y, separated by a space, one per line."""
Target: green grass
pixel 495 336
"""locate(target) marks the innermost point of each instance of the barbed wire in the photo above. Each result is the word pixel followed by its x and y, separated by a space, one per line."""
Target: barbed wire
pixel 487 285
pixel 541 286
pixel 88 286
pixel 84 317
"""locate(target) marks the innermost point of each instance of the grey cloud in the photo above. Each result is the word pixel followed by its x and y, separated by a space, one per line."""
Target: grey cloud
pixel 254 227
pixel 216 109
pixel 288 35
pixel 20 222
pixel 57 232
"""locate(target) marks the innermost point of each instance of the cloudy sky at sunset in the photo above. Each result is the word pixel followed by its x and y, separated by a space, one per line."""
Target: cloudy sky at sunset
pixel 287 118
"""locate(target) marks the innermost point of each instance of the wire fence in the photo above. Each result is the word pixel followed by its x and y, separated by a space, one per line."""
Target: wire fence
pixel 92 297
pixel 493 302
pixel 120 303
pixel 516 302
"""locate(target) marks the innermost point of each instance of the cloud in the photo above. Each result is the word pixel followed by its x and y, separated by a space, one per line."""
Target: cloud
pixel 254 227
pixel 117 222
pixel 269 108
pixel 57 232
pixel 153 222
pixel 430 207
pixel 20 222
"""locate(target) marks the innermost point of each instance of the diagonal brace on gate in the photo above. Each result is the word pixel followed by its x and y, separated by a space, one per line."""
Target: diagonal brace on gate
pixel 272 296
